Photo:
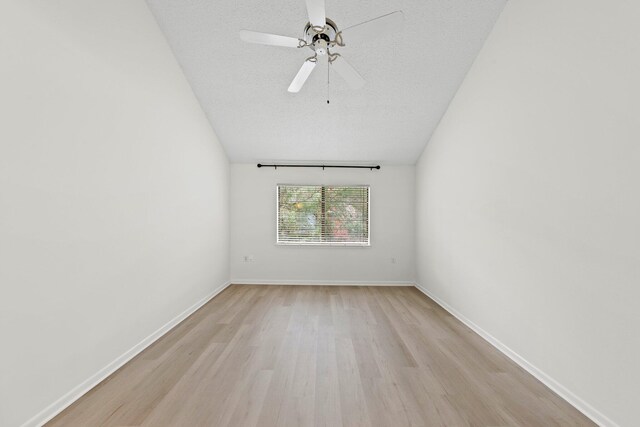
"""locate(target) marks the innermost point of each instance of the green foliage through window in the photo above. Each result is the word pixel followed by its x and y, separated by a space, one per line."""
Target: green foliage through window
pixel 323 215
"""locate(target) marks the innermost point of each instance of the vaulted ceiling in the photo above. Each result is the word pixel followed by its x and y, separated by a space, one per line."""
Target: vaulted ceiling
pixel 412 73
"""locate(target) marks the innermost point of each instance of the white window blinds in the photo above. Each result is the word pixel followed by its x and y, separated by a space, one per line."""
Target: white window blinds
pixel 323 215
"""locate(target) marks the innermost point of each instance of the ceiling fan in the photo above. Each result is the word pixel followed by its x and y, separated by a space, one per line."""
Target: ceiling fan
pixel 322 35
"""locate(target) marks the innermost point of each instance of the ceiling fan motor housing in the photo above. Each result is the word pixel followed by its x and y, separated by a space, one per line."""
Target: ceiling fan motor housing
pixel 319 41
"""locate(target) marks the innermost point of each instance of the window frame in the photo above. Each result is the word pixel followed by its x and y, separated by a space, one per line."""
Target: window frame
pixel 325 244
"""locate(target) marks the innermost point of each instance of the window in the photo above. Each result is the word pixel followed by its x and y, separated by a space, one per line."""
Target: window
pixel 323 215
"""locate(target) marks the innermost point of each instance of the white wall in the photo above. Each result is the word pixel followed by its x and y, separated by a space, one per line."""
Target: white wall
pixel 253 228
pixel 528 207
pixel 113 194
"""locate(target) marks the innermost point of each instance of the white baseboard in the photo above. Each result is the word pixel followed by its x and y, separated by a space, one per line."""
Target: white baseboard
pixel 63 402
pixel 582 406
pixel 319 282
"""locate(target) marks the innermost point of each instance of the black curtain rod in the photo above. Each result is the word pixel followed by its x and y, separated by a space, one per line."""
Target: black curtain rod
pixel 260 165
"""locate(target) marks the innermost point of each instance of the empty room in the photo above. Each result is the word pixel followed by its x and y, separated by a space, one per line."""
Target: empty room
pixel 258 213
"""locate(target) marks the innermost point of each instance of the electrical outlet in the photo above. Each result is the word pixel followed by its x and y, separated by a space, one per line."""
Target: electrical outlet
pixel 393 261
pixel 248 258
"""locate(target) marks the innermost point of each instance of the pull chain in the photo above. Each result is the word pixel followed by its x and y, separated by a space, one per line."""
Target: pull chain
pixel 328 82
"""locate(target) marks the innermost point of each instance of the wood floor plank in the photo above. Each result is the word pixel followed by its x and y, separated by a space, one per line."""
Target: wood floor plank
pixel 320 356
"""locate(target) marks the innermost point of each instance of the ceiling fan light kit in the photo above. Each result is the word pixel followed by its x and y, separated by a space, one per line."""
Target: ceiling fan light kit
pixel 322 35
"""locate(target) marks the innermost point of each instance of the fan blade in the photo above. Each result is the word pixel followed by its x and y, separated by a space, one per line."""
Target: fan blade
pixel 372 28
pixel 315 9
pixel 302 76
pixel 268 39
pixel 347 72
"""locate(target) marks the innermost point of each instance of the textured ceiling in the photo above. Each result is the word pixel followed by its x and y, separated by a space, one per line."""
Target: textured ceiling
pixel 412 74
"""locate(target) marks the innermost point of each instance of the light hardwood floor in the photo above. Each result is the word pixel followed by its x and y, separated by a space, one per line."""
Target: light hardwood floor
pixel 323 356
